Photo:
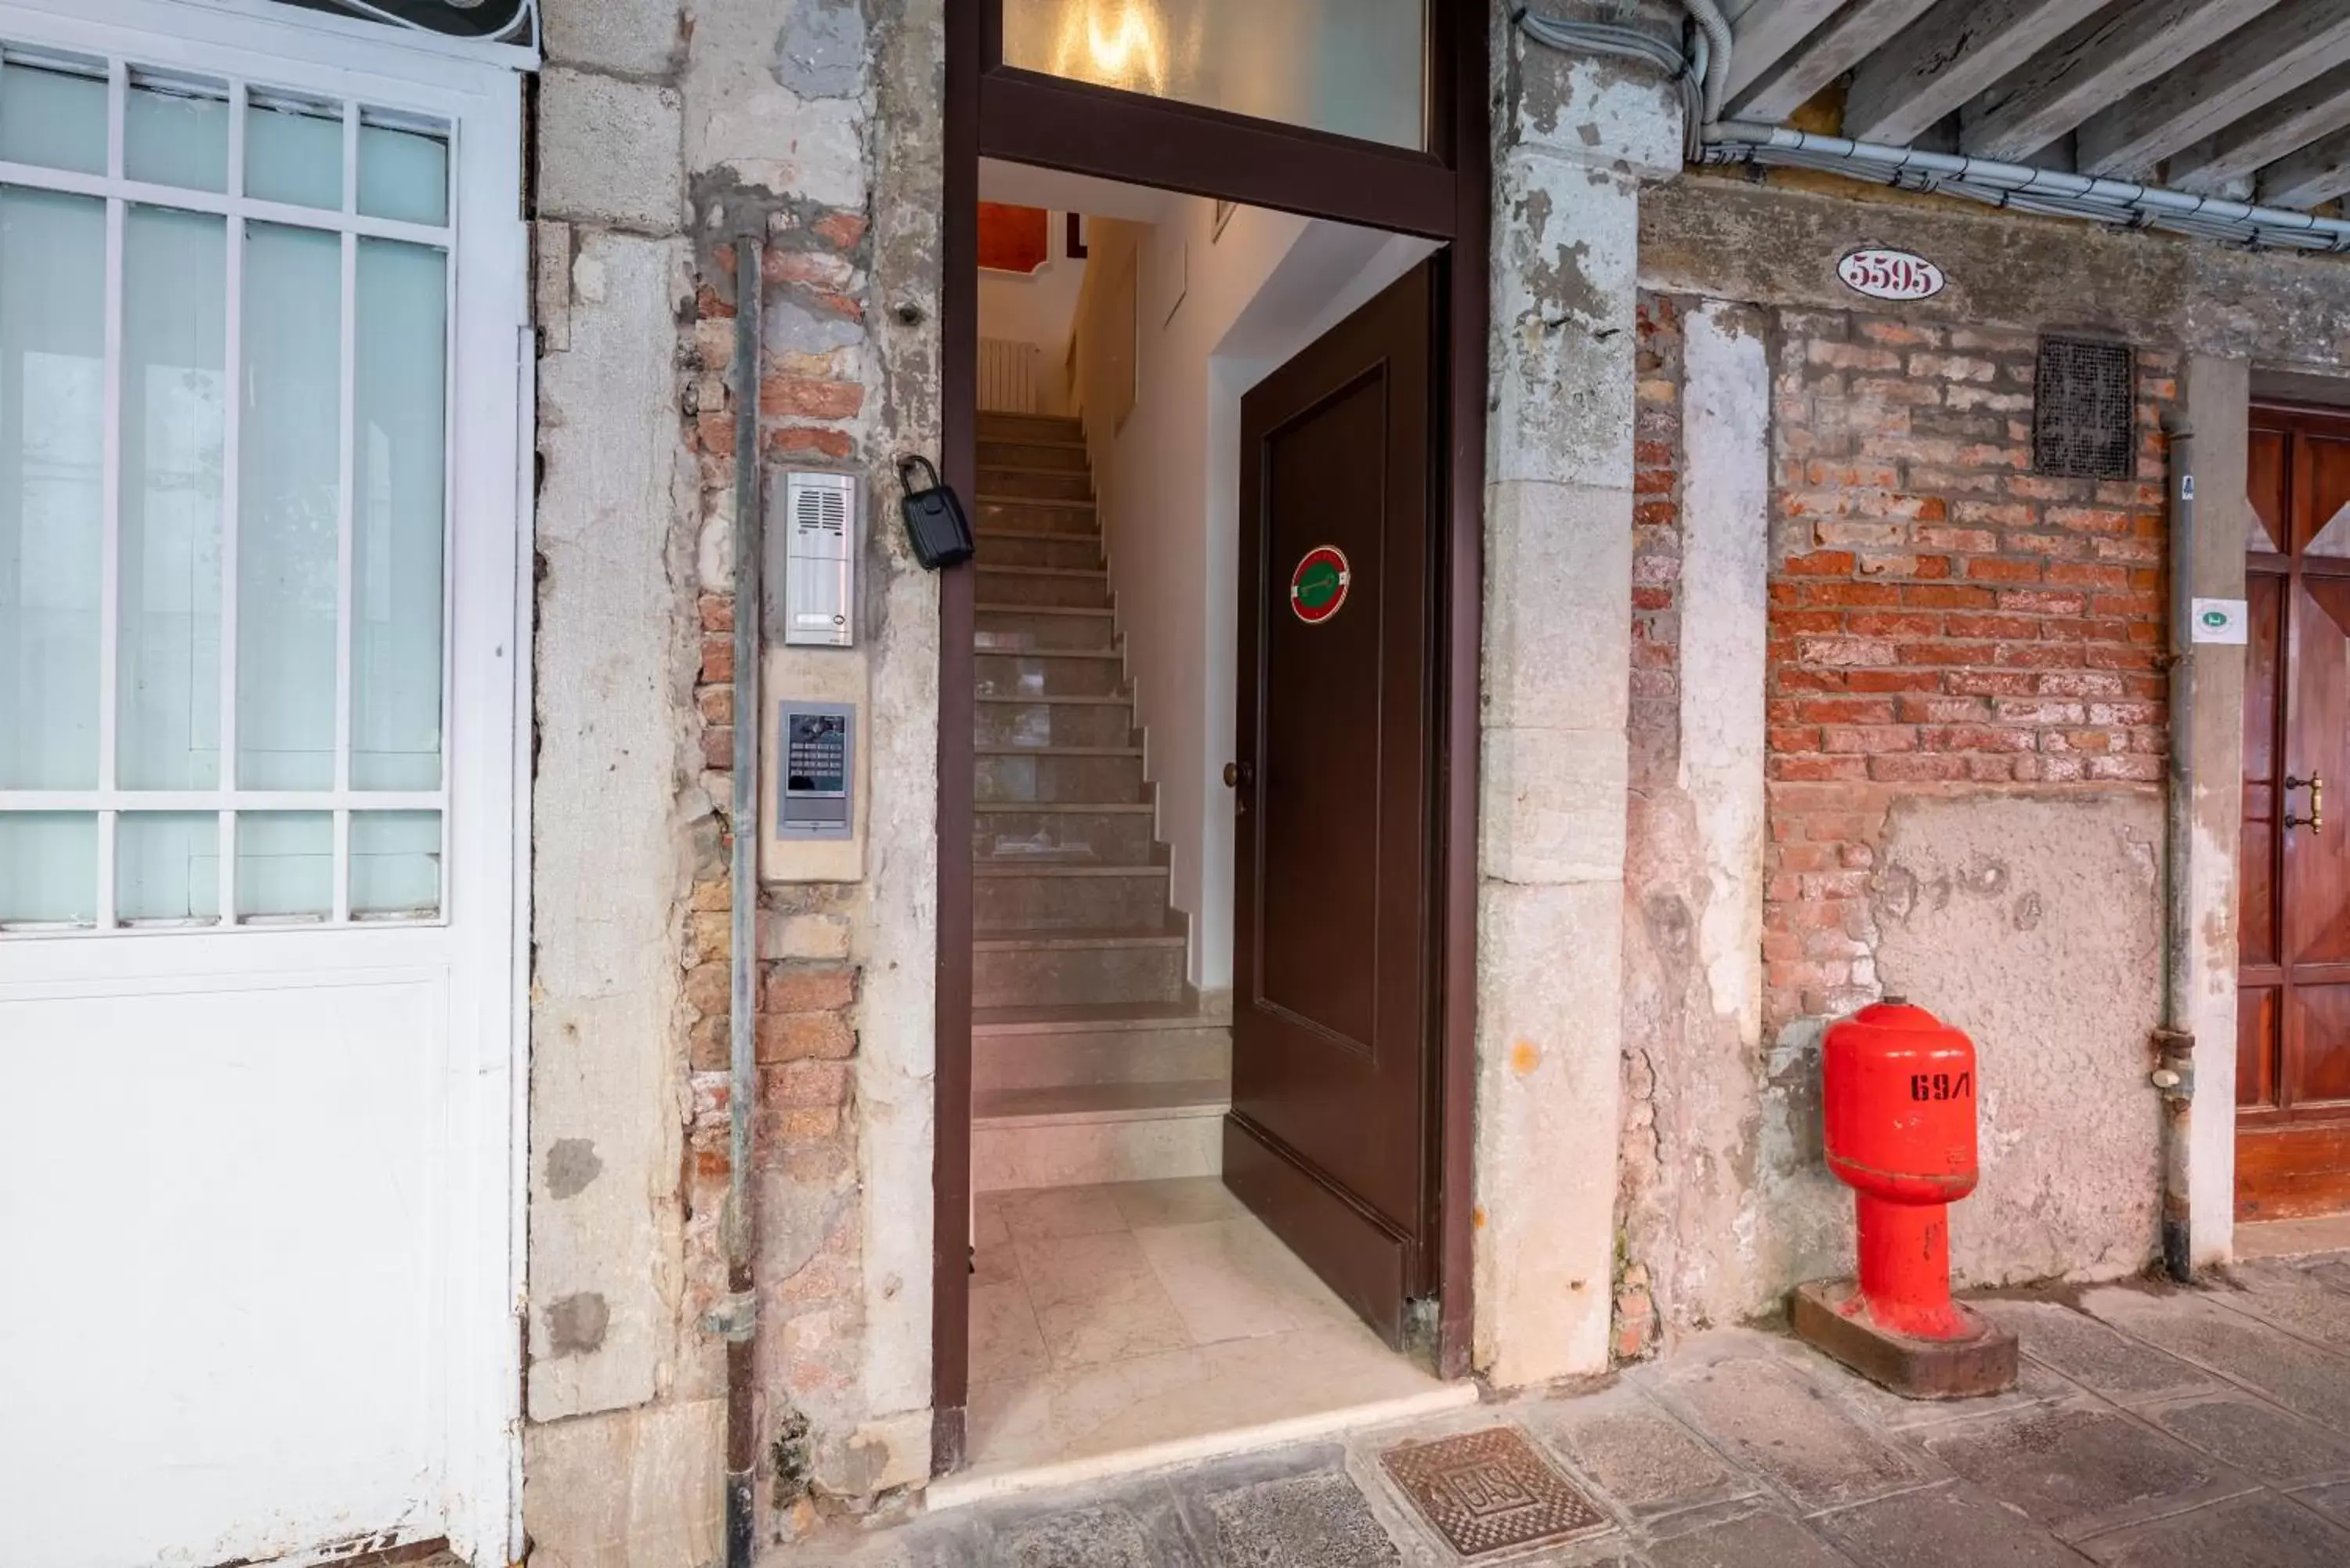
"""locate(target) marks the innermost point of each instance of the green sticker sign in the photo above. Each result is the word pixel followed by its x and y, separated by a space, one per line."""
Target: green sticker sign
pixel 1318 589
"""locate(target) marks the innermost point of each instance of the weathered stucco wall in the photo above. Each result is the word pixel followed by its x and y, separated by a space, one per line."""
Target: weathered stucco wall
pixel 665 133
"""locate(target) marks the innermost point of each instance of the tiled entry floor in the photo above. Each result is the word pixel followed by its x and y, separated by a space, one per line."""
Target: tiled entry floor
pixel 1109 1320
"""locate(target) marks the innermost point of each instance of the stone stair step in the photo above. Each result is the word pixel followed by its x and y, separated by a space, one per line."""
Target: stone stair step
pixel 1077 898
pixel 1055 723
pixel 1054 674
pixel 1030 514
pixel 1088 775
pixel 1079 1134
pixel 1071 967
pixel 1017 628
pixel 1081 588
pixel 1042 834
pixel 1047 1047
pixel 995 425
pixel 1068 456
pixel 1038 547
pixel 997 482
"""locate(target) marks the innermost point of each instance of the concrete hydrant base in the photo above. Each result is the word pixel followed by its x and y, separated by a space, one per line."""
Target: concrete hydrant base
pixel 1979 1363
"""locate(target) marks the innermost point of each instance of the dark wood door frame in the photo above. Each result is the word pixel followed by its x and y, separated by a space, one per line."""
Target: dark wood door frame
pixel 1444 194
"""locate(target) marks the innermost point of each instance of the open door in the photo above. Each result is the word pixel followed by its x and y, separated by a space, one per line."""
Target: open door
pixel 1329 1137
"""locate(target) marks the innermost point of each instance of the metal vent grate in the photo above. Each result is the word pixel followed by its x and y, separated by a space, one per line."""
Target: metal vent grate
pixel 2084 413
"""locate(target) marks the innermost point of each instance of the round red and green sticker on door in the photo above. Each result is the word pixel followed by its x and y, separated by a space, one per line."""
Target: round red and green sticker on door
pixel 1318 589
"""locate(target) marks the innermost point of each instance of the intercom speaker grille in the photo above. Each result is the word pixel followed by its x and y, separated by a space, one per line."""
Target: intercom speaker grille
pixel 826 509
pixel 2083 415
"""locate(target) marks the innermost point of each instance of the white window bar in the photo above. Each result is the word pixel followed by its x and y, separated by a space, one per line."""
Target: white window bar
pixel 109 550
pixel 108 802
pixel 347 514
pixel 231 496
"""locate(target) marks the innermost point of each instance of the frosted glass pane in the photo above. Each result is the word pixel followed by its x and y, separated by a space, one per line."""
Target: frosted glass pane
pixel 175 137
pixel 284 863
pixel 1355 67
pixel 396 863
pixel 167 866
pixel 403 322
pixel 294 154
pixel 48 866
pixel 52 445
pixel 55 118
pixel 287 505
pixel 403 174
pixel 175 328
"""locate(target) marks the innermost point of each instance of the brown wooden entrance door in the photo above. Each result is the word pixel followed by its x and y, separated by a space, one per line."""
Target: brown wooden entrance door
pixel 1333 1031
pixel 2292 1052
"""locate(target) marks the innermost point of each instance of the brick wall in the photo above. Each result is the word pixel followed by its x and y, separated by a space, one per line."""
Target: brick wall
pixel 1657 542
pixel 811 396
pixel 1942 618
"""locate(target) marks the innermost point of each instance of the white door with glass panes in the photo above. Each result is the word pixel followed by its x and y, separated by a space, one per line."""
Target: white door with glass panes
pixel 260 283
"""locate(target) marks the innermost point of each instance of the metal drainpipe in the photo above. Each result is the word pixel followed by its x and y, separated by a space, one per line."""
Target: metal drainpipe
pixel 740 1316
pixel 2174 1042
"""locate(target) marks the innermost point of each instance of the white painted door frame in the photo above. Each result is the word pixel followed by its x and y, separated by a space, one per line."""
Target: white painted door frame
pixel 483 1048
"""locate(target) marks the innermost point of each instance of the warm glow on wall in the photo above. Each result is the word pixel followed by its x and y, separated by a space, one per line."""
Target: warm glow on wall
pixel 1112 42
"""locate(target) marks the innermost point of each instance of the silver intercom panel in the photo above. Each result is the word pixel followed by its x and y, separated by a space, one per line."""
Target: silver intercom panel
pixel 818 540
pixel 816 770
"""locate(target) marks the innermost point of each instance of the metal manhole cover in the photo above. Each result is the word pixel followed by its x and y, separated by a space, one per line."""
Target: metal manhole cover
pixel 1489 1491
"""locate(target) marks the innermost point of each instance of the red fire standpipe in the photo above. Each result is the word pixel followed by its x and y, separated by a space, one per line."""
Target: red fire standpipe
pixel 1900 1133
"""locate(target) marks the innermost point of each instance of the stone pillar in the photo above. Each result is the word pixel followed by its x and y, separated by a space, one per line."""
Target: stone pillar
pixel 2218 394
pixel 1574 138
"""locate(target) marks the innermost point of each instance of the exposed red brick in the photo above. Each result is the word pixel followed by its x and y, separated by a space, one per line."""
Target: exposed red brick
pixel 805 397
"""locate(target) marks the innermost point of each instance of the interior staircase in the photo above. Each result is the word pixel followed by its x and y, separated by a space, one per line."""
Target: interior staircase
pixel 1093 1059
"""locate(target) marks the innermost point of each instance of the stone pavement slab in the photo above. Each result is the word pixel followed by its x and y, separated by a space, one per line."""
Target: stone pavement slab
pixel 1783 1426
pixel 1636 1456
pixel 1947 1526
pixel 1758 1540
pixel 2279 1449
pixel 2078 1469
pixel 2303 1377
pixel 2259 1532
pixel 2103 1360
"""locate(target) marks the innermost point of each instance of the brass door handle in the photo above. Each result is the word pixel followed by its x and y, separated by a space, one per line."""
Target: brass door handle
pixel 1240 777
pixel 2316 820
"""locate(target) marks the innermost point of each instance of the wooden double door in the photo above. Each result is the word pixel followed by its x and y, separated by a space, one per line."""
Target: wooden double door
pixel 2292 1050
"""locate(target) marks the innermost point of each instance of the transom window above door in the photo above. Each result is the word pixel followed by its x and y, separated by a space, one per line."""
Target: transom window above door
pixel 224 350
pixel 1352 67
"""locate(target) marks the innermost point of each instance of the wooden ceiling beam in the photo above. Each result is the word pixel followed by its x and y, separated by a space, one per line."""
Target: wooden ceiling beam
pixel 2243 71
pixel 1763 31
pixel 1849 37
pixel 2318 173
pixel 1947 57
pixel 2121 48
pixel 2272 132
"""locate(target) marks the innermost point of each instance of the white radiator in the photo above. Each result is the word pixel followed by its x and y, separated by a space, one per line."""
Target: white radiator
pixel 1007 376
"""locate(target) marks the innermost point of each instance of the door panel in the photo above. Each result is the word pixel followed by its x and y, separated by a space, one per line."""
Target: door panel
pixel 2321 524
pixel 2256 1047
pixel 1333 1031
pixel 1317 892
pixel 2293 975
pixel 283 1231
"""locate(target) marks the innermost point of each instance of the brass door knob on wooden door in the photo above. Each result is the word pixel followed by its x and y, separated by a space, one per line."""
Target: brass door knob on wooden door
pixel 1240 777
